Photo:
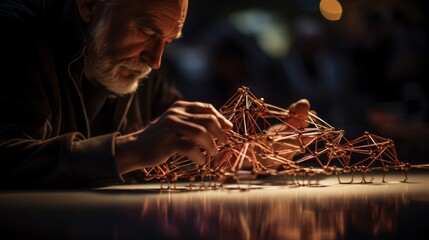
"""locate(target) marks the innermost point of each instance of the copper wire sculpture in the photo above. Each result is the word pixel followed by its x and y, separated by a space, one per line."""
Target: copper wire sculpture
pixel 262 142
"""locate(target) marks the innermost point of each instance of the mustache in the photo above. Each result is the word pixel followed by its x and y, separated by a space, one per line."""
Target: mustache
pixel 135 64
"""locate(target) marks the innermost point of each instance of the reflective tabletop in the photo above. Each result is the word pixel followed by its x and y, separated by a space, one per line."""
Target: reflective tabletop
pixel 274 208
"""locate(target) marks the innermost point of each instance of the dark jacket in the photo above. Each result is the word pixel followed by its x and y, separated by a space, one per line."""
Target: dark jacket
pixel 57 130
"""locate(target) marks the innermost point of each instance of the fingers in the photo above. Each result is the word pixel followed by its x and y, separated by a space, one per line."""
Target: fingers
pixel 188 148
pixel 194 127
pixel 301 107
pixel 198 108
pixel 298 122
pixel 195 132
pixel 211 124
pixel 298 113
pixel 204 115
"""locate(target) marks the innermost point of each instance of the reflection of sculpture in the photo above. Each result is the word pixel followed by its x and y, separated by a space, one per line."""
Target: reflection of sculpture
pixel 264 216
pixel 262 142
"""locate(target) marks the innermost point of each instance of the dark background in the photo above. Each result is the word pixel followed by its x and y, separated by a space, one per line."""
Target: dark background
pixel 367 71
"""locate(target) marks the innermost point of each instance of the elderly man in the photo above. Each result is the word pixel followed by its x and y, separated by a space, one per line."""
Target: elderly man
pixel 84 99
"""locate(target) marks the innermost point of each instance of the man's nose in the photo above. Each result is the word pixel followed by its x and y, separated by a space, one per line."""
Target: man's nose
pixel 152 53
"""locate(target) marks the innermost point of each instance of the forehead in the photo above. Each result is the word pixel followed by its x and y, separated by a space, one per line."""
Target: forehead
pixel 168 15
pixel 172 9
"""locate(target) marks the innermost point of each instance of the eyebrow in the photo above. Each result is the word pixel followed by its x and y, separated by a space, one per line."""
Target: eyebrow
pixel 145 22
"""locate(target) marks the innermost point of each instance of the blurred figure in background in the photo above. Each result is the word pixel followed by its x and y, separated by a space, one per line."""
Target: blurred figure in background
pixel 389 49
pixel 235 60
pixel 315 70
pixel 225 59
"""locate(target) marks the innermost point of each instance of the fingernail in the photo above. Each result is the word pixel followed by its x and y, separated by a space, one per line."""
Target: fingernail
pixel 230 125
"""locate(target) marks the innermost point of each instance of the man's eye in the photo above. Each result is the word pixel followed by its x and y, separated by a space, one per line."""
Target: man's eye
pixel 147 32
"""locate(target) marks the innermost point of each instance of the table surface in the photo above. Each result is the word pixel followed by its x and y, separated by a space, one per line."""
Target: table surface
pixel 272 208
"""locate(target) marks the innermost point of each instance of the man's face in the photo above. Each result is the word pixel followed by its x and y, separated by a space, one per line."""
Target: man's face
pixel 126 40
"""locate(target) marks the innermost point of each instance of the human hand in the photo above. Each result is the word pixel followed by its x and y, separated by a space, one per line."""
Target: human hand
pixel 186 128
pixel 298 114
pixel 298 117
pixel 295 117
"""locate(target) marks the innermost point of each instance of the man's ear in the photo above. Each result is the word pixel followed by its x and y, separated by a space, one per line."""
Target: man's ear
pixel 86 8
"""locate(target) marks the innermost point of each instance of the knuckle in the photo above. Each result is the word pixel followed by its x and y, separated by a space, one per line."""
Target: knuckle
pixel 179 103
pixel 200 131
pixel 204 105
pixel 211 118
pixel 169 117
pixel 172 112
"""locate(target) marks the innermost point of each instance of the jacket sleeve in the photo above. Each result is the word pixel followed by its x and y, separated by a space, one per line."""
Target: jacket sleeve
pixel 32 153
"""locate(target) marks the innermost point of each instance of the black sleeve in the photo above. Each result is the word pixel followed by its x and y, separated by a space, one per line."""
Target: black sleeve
pixel 32 154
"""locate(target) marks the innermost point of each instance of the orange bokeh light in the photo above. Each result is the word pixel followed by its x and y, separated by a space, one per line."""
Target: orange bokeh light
pixel 331 9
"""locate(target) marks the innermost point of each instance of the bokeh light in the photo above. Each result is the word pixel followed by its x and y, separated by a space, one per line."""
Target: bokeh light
pixel 331 9
pixel 268 29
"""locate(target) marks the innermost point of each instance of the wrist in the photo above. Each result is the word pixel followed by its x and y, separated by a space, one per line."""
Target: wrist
pixel 123 159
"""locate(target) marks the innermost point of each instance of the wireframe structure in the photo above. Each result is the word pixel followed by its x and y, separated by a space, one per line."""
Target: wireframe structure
pixel 263 142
